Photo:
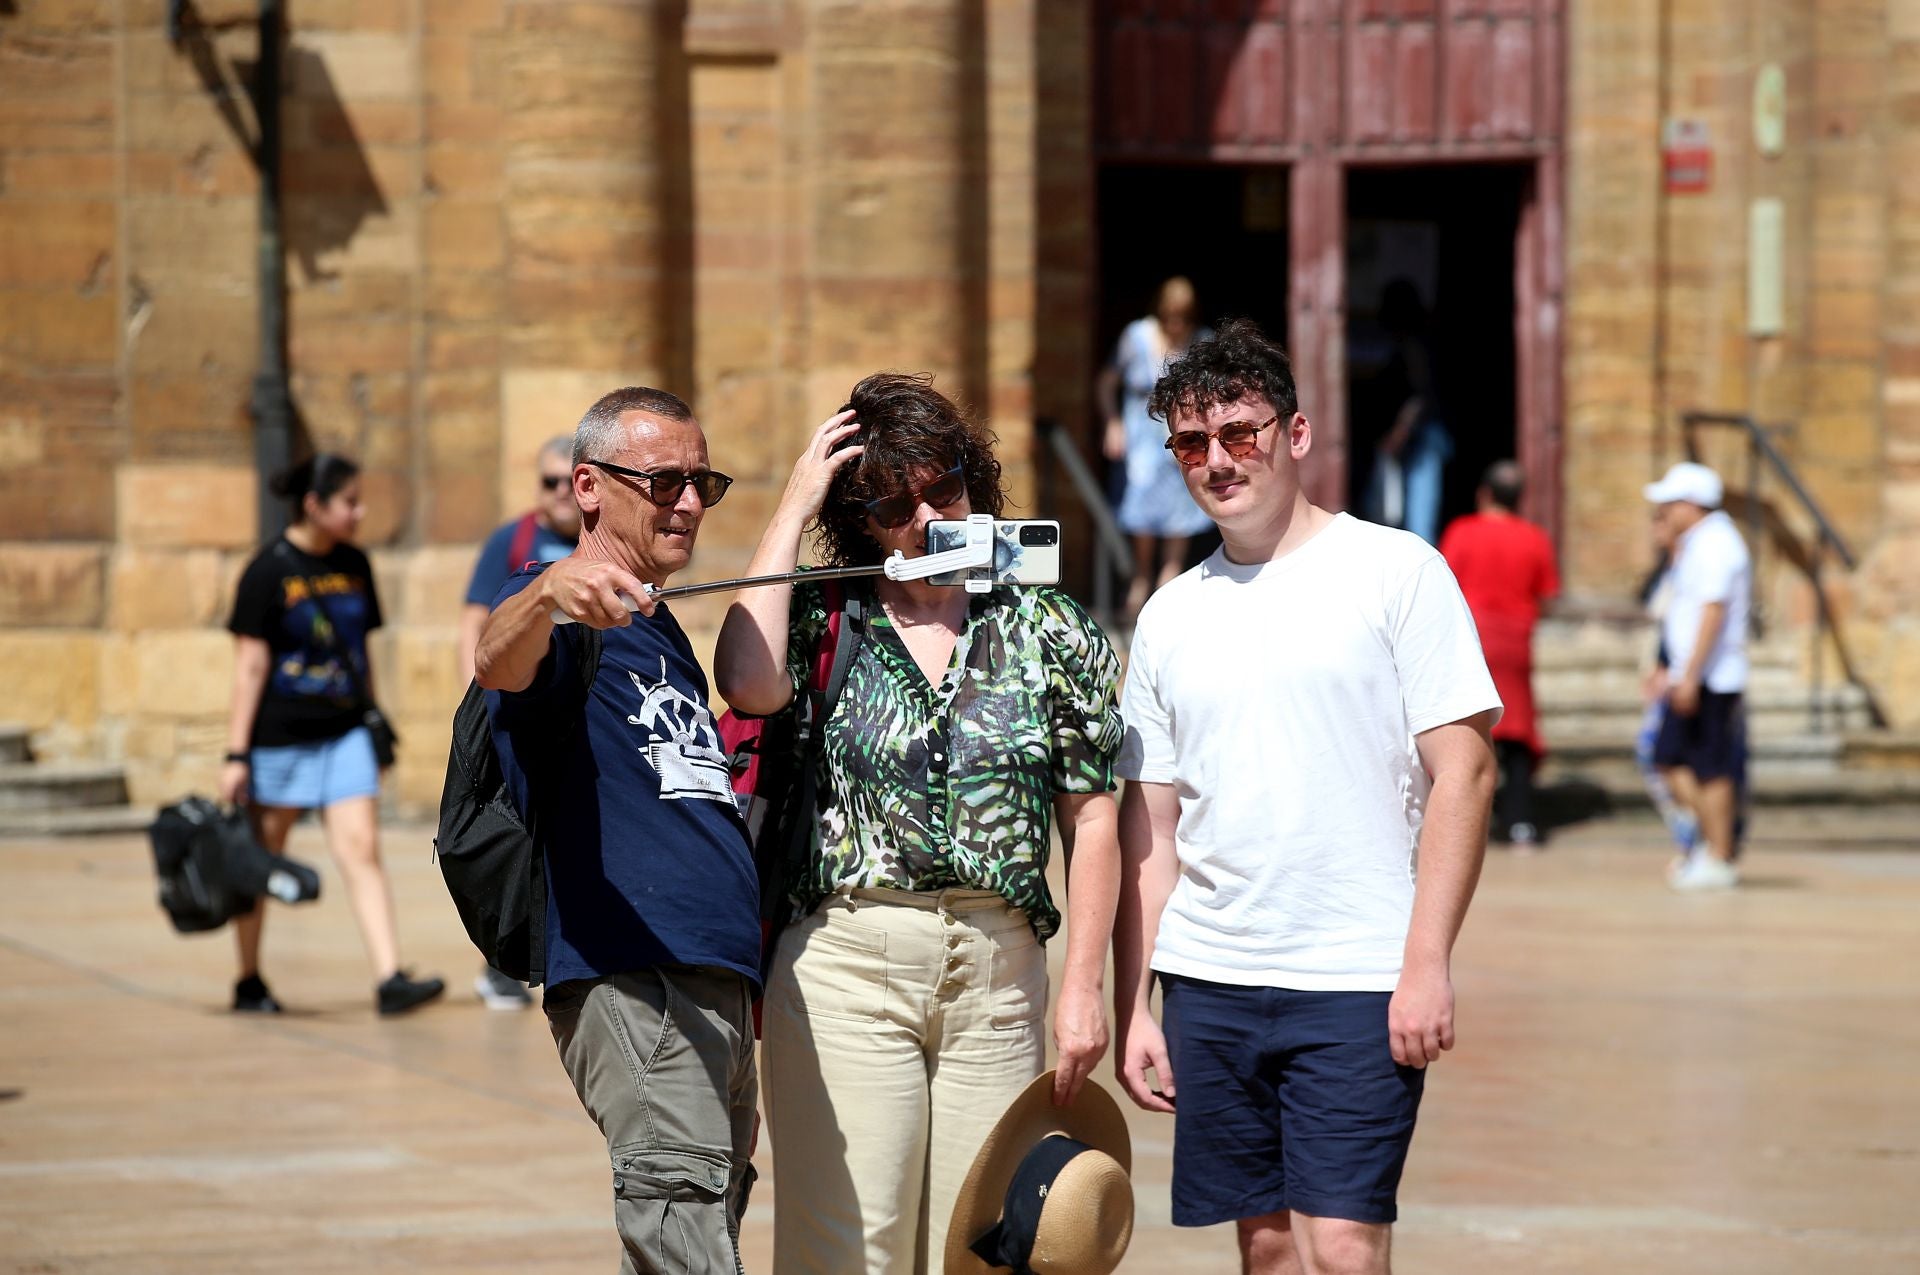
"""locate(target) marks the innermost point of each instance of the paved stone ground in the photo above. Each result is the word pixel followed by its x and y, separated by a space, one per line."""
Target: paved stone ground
pixel 1644 1082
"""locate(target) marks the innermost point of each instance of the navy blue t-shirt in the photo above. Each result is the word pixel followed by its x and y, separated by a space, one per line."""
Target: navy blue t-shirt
pixel 647 857
pixel 491 568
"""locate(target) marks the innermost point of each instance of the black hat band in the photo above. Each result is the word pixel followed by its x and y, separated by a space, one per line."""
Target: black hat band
pixel 1010 1243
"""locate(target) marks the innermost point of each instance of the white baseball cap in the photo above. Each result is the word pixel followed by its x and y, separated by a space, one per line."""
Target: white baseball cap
pixel 1689 481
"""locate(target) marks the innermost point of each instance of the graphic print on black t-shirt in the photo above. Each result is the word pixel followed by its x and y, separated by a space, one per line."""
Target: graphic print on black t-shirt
pixel 310 694
pixel 683 743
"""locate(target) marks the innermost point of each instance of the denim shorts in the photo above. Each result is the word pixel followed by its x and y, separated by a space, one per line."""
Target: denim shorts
pixel 314 776
pixel 1287 1100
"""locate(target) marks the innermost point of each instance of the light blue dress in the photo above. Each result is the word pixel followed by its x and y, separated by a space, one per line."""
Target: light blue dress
pixel 1156 502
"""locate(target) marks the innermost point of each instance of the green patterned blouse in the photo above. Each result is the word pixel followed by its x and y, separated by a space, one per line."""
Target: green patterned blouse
pixel 951 786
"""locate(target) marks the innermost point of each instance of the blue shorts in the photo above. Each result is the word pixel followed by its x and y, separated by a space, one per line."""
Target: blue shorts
pixel 314 776
pixel 1287 1100
pixel 1712 743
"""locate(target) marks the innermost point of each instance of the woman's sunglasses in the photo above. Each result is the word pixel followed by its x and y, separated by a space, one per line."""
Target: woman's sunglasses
pixel 665 486
pixel 898 509
pixel 1238 440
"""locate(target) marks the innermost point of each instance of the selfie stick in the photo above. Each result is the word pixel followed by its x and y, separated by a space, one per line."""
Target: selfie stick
pixel 976 552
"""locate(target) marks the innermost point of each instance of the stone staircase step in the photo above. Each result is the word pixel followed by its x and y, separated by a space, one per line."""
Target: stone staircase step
pixel 31 787
pixel 1587 745
pixel 1620 785
pixel 1766 723
pixel 87 821
pixel 15 745
pixel 1883 749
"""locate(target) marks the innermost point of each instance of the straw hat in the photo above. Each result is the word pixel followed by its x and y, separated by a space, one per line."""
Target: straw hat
pixel 1049 1183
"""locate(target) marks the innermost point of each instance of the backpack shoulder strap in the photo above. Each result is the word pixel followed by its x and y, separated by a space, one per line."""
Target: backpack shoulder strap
pixel 588 641
pixel 520 548
pixel 846 639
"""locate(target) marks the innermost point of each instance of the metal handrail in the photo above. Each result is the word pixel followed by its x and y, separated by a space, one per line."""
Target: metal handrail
pixel 1110 549
pixel 1760 448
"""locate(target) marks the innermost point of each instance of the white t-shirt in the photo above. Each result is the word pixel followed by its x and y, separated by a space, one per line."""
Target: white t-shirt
pixel 1711 564
pixel 1281 701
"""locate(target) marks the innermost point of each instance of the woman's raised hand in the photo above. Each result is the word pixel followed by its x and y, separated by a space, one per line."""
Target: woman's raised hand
pixel 813 473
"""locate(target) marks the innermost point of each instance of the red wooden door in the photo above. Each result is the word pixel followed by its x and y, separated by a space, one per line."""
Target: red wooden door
pixel 1409 79
pixel 1324 84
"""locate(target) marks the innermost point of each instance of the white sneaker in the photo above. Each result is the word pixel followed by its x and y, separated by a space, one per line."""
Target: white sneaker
pixel 1701 871
pixel 498 991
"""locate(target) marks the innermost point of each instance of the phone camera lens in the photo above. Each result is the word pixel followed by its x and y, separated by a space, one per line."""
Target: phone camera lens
pixel 1040 535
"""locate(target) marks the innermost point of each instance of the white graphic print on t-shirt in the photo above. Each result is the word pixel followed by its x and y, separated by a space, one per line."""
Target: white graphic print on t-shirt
pixel 683 745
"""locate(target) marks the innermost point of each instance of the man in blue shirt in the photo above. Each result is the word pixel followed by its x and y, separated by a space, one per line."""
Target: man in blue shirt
pixel 653 919
pixel 545 533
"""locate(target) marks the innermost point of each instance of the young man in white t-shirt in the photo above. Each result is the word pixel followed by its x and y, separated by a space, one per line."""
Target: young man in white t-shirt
pixel 1307 718
pixel 1702 745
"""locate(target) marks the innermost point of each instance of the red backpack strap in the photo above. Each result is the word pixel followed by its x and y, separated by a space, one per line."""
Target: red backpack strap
pixel 833 594
pixel 520 548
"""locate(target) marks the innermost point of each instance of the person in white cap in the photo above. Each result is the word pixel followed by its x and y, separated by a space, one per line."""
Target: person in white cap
pixel 1701 747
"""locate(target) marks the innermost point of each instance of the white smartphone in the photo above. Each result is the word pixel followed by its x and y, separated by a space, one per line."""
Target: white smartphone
pixel 1025 551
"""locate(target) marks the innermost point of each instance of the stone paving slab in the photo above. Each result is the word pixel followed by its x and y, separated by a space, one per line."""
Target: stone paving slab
pixel 1644 1082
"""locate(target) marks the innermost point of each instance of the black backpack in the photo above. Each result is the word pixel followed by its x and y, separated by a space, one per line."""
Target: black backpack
pixel 492 861
pixel 211 869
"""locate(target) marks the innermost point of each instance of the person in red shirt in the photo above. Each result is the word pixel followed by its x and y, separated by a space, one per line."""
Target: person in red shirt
pixel 1505 566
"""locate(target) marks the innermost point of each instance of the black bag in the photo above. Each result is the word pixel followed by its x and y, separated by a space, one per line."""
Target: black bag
pixel 385 738
pixel 492 861
pixel 211 869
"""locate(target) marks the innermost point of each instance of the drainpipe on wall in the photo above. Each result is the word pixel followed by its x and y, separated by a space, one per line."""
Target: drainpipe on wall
pixel 271 405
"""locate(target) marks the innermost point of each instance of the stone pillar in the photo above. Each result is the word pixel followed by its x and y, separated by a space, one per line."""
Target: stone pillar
pixel 890 151
pixel 1613 271
pixel 598 210
pixel 1889 631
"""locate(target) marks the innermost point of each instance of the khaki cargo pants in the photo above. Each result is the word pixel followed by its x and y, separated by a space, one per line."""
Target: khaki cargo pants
pixel 662 1059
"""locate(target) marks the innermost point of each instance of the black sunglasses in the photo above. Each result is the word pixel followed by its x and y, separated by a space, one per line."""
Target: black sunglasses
pixel 1189 446
pixel 664 487
pixel 550 482
pixel 898 509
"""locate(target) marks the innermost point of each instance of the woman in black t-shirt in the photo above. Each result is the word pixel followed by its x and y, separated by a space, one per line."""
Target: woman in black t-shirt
pixel 295 739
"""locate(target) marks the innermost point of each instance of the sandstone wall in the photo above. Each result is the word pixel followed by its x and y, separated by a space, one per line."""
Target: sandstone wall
pixel 495 211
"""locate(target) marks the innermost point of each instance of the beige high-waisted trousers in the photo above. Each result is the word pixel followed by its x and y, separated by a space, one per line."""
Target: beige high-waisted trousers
pixel 896 1028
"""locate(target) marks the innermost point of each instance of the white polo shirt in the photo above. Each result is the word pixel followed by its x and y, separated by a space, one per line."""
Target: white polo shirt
pixel 1710 564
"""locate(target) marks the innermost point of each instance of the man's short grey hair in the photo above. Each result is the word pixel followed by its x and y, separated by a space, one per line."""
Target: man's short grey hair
pixel 600 435
pixel 560 445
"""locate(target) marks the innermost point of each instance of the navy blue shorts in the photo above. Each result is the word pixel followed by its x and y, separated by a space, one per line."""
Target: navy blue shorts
pixel 1712 743
pixel 1287 1100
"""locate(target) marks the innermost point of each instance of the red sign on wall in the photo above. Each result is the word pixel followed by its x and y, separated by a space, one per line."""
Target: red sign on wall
pixel 1686 157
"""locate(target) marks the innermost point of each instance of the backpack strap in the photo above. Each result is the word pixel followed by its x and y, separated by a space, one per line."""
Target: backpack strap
pixel 520 548
pixel 587 642
pixel 833 659
pixel 845 640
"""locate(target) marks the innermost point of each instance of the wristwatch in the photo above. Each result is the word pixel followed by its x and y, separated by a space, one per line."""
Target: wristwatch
pixel 243 758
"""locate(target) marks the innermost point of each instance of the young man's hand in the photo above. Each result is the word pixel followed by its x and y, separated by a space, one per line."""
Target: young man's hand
pixel 1420 1016
pixel 1143 1047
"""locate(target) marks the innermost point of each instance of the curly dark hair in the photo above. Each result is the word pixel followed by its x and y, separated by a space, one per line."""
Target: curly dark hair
pixel 909 430
pixel 1235 362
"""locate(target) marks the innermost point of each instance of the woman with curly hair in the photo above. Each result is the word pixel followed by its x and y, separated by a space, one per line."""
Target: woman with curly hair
pixel 907 1002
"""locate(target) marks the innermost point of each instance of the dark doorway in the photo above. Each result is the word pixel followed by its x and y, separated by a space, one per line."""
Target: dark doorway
pixel 1222 226
pixel 1449 229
